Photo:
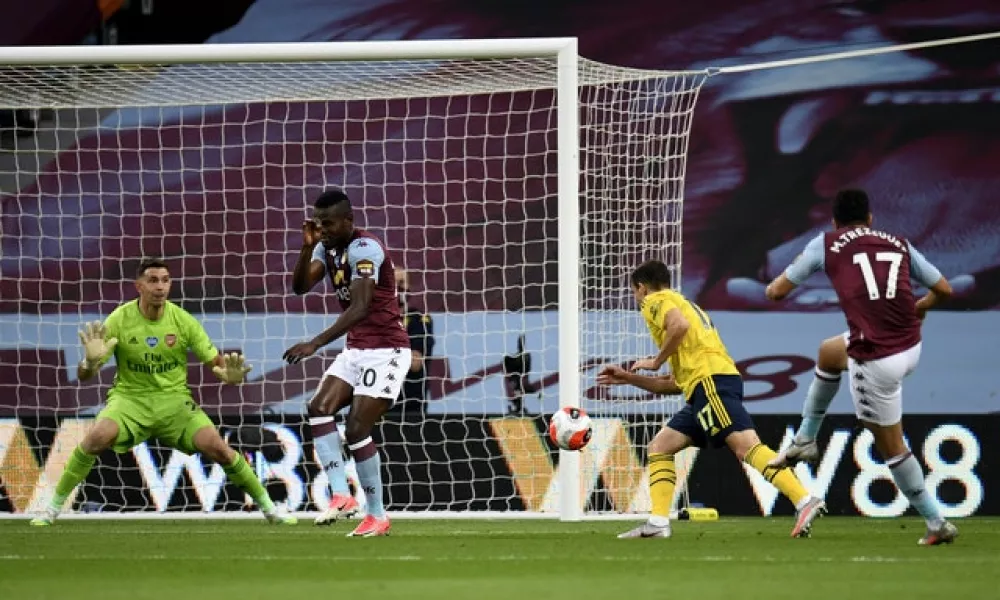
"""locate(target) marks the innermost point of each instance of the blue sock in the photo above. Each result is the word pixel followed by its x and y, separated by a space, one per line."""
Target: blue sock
pixel 909 478
pixel 331 453
pixel 369 465
pixel 823 388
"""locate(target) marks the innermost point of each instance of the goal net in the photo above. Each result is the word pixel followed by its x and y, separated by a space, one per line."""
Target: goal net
pixel 461 156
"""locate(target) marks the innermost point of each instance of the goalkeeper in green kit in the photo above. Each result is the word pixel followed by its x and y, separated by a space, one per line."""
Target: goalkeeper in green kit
pixel 149 338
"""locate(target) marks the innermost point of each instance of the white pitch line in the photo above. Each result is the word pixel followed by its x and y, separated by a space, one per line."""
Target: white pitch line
pixel 310 531
pixel 515 558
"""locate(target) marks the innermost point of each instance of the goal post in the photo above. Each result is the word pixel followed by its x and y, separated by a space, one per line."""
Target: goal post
pixel 568 250
pixel 517 183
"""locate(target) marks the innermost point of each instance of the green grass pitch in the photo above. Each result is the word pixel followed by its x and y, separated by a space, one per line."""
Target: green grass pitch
pixel 846 559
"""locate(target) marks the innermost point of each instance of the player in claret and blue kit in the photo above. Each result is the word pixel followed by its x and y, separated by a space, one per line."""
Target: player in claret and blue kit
pixel 870 271
pixel 369 373
pixel 150 398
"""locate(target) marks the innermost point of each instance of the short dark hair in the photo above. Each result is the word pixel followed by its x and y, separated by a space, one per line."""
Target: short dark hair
pixel 149 262
pixel 850 207
pixel 652 273
pixel 331 198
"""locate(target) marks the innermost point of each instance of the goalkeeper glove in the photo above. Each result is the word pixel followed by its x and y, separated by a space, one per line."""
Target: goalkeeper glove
pixel 95 347
pixel 233 368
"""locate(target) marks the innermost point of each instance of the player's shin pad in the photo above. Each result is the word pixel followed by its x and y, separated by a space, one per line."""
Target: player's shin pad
pixel 369 466
pixel 782 478
pixel 662 481
pixel 822 390
pixel 77 468
pixel 240 473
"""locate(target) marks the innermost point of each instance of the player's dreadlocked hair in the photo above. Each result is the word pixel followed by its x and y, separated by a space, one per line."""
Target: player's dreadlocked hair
pixel 149 262
pixel 850 207
pixel 331 198
pixel 652 273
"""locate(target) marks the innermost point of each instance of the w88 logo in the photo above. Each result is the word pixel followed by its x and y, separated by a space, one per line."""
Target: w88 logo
pixel 960 470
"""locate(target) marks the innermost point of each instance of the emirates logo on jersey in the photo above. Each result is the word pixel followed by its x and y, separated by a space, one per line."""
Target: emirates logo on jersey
pixel 170 339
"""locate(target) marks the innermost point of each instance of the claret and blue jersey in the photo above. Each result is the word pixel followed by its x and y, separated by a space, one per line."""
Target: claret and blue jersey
pixel 870 270
pixel 365 257
pixel 813 257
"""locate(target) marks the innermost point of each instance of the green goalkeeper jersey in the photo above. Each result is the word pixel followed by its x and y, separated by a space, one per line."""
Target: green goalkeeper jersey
pixel 152 355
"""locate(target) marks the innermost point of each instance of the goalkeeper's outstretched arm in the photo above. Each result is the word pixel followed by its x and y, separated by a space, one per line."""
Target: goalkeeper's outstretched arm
pixel 85 371
pixel 97 349
pixel 230 368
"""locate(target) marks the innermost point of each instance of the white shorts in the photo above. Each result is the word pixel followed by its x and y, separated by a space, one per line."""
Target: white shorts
pixel 377 372
pixel 877 386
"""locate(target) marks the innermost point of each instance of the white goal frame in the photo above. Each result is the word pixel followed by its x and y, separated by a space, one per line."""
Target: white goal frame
pixel 564 49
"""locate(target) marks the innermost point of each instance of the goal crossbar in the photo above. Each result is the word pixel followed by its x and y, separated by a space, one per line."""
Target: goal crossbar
pixel 286 52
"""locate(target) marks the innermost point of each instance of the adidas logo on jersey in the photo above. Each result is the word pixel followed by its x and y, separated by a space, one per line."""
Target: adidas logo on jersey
pixel 387 390
pixel 393 363
pixel 133 341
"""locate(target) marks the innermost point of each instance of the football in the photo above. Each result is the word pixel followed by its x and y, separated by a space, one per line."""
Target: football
pixel 570 428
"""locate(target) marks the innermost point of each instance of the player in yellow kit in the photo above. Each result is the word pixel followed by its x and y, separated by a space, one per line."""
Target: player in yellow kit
pixel 149 338
pixel 703 371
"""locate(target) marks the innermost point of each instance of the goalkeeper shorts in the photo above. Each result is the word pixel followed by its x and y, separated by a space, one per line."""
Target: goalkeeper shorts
pixel 173 422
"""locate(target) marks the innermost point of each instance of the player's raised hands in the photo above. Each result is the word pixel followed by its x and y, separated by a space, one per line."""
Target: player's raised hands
pixel 612 375
pixel 646 364
pixel 299 351
pixel 233 368
pixel 657 384
pixel 95 346
pixel 311 234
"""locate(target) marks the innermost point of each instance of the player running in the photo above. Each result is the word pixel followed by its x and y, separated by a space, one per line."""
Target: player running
pixel 704 372
pixel 870 271
pixel 150 398
pixel 369 373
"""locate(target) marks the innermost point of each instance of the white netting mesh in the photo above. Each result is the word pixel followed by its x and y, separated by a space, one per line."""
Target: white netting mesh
pixel 213 167
pixel 634 139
